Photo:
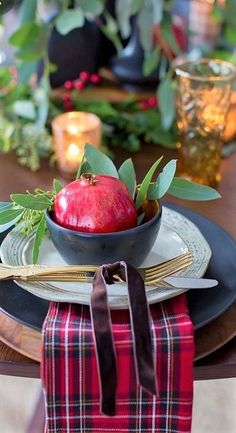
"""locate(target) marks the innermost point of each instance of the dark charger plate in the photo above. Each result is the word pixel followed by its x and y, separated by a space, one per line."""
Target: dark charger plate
pixel 204 305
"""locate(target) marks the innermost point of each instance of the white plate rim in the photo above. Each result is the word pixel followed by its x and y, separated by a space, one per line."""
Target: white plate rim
pixel 173 220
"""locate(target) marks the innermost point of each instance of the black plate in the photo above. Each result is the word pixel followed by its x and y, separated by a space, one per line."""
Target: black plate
pixel 204 305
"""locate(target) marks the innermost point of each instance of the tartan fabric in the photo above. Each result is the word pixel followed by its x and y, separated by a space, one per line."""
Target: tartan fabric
pixel 71 384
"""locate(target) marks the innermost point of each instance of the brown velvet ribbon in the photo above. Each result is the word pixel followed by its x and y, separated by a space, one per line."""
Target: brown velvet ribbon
pixel 105 349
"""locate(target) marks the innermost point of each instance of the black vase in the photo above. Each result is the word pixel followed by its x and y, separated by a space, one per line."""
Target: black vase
pixel 72 53
pixel 128 66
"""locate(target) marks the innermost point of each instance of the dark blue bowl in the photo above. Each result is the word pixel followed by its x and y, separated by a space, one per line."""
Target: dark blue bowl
pixel 132 245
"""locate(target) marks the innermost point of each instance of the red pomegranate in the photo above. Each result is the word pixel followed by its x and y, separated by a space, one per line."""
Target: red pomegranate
pixel 95 204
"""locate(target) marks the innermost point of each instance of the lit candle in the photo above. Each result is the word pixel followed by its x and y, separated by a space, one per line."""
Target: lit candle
pixel 71 131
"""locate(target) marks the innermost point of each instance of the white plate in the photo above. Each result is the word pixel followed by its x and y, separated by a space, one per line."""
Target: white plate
pixel 177 235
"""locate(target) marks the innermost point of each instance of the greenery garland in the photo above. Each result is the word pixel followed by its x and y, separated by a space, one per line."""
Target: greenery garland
pixel 26 114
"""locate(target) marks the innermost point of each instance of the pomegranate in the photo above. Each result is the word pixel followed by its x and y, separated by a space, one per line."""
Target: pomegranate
pixel 95 204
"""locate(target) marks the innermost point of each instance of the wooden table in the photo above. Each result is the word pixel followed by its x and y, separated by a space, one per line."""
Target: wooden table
pixel 221 363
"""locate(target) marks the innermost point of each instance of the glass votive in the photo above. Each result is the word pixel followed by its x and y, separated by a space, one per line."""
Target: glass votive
pixel 71 131
pixel 203 99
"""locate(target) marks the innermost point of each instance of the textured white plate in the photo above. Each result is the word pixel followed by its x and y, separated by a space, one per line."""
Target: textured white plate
pixel 177 235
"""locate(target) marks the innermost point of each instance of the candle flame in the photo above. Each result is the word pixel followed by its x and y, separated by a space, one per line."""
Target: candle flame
pixel 73 129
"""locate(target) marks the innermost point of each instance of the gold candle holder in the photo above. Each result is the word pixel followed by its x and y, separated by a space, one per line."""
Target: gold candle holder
pixel 71 131
pixel 203 99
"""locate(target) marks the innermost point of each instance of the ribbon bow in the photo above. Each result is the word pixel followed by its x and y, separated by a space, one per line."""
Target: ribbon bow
pixel 101 321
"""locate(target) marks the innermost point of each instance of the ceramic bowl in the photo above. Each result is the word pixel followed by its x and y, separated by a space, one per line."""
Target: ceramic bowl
pixel 132 245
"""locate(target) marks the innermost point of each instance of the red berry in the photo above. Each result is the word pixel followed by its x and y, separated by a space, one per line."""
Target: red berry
pixel 84 75
pixel 66 97
pixel 152 101
pixel 144 105
pixel 95 204
pixel 79 85
pixel 68 85
pixel 68 105
pixel 95 79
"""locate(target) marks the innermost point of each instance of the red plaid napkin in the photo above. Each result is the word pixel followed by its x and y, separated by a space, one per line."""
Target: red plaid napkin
pixel 73 387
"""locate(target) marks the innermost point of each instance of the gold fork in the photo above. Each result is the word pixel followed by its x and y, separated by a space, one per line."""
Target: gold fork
pixel 83 273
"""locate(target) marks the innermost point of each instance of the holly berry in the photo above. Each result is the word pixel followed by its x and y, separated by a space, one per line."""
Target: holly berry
pixel 84 75
pixel 143 105
pixel 68 106
pixel 68 85
pixel 95 79
pixel 95 204
pixel 79 85
pixel 152 101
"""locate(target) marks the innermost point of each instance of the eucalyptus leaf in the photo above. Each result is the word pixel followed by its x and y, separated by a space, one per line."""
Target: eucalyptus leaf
pixel 83 168
pixel 30 201
pixel 157 10
pixel 136 5
pixel 93 7
pixel 151 61
pixel 142 191
pixel 9 217
pixel 123 13
pixel 25 109
pixel 5 205
pixel 111 31
pixel 38 239
pixel 24 34
pixel 168 34
pixel 163 182
pixel 69 20
pixel 127 175
pixel 25 71
pixel 145 22
pixel 28 11
pixel 99 162
pixel 57 186
pixel 187 190
pixel 165 95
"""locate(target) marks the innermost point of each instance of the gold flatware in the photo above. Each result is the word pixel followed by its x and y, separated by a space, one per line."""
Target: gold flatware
pixel 84 273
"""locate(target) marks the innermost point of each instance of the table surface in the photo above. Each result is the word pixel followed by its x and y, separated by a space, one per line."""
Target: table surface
pixel 222 363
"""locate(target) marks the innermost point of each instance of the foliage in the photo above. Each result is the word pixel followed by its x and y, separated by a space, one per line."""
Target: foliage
pixel 29 209
pixel 31 38
pixel 26 114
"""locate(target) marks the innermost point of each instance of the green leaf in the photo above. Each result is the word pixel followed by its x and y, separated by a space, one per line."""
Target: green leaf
pixel 69 20
pixel 25 109
pixel 151 61
pixel 25 71
pixel 38 239
pixel 28 11
pixel 142 192
pixel 123 13
pixel 128 176
pixel 83 168
pixel 5 205
pixel 99 162
pixel 57 186
pixel 93 7
pixel 5 77
pixel 169 36
pixel 25 34
pixel 30 201
pixel 187 190
pixel 165 95
pixel 111 31
pixel 145 22
pixel 9 217
pixel 163 182
pixel 136 5
pixel 157 10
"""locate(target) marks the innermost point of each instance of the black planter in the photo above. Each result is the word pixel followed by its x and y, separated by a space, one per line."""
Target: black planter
pixel 128 66
pixel 72 53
